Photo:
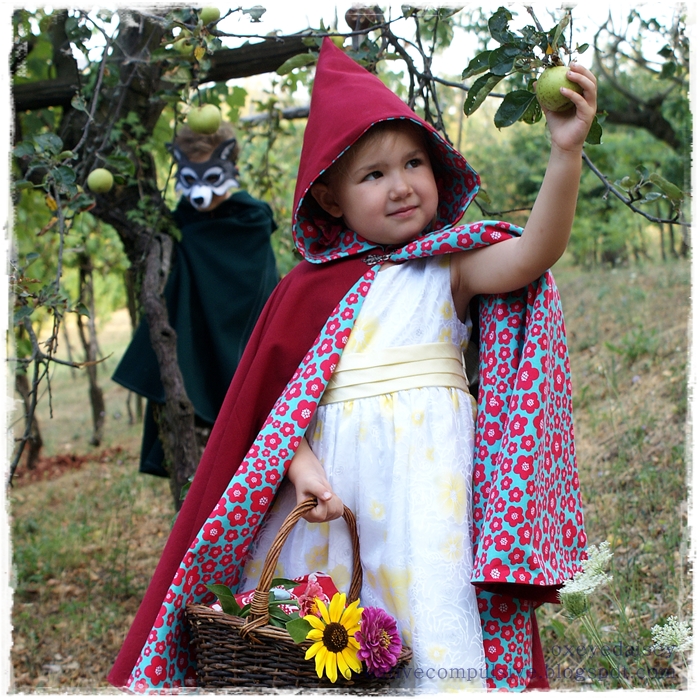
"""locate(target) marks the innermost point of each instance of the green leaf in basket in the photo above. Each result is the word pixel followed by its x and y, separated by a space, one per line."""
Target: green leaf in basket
pixel 228 603
pixel 298 628
pixel 277 614
pixel 244 610
pixel 286 582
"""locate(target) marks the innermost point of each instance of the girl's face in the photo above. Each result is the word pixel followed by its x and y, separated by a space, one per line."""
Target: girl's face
pixel 387 194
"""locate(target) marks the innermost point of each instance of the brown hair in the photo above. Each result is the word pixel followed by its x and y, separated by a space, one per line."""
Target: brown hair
pixel 370 137
pixel 195 146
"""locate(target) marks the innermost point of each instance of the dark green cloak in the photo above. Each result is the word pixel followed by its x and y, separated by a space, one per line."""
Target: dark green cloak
pixel 223 271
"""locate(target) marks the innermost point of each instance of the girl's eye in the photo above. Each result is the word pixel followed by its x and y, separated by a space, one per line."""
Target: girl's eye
pixel 414 162
pixel 374 175
pixel 189 180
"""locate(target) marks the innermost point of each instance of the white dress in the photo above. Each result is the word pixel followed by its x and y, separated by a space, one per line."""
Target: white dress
pixel 402 462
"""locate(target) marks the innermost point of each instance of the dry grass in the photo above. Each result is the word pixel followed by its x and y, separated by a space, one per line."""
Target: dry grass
pixel 85 544
pixel 628 339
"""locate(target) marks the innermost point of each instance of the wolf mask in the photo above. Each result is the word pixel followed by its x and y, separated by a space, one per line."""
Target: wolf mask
pixel 199 182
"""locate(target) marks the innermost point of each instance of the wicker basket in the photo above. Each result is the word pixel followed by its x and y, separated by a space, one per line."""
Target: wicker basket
pixel 247 653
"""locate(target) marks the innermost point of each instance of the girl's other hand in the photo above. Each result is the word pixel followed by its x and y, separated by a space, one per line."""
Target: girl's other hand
pixel 569 129
pixel 309 479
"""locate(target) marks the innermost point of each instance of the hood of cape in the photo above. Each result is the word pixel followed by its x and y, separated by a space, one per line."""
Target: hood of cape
pixel 346 101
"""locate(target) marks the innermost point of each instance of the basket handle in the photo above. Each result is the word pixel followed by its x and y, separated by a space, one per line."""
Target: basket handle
pixel 259 614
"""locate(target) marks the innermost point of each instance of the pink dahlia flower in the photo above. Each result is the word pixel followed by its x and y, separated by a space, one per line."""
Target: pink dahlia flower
pixel 379 639
pixel 307 600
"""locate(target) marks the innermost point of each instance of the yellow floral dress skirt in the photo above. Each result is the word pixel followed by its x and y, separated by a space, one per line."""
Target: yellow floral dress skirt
pixel 402 462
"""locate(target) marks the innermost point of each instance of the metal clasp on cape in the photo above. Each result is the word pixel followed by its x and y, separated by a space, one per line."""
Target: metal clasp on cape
pixel 376 258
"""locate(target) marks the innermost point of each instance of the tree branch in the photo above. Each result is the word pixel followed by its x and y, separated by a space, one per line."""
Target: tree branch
pixel 227 64
pixel 610 188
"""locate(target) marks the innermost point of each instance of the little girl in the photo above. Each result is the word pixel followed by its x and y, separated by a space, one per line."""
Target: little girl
pixel 463 532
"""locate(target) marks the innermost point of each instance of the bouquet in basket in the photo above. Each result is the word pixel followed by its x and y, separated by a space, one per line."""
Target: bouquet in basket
pixel 344 638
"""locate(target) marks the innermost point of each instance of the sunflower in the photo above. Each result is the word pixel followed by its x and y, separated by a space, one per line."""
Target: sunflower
pixel 333 636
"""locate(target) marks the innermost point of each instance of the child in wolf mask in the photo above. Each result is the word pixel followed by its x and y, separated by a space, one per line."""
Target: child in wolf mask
pixel 223 271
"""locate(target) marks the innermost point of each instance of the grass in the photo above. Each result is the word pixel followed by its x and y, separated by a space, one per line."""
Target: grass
pixel 628 339
pixel 85 544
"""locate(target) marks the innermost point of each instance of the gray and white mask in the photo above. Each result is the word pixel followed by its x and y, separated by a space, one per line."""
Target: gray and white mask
pixel 199 182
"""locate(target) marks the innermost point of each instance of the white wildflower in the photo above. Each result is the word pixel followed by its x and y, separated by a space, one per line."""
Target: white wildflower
pixel 574 592
pixel 673 635
pixel 598 558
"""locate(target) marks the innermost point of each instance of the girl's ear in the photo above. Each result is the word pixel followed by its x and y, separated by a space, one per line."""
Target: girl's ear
pixel 323 194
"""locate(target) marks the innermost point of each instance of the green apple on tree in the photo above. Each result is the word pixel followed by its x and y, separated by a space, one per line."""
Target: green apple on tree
pixel 209 15
pixel 184 44
pixel 100 180
pixel 548 89
pixel 205 119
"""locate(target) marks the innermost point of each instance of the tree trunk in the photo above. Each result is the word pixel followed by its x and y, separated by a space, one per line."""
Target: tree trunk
pixel 131 305
pixel 175 418
pixel 89 340
pixel 34 440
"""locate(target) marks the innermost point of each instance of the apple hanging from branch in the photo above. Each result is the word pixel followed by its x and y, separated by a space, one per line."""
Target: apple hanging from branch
pixel 205 119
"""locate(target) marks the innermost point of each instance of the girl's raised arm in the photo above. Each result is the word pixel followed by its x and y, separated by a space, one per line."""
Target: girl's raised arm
pixel 518 261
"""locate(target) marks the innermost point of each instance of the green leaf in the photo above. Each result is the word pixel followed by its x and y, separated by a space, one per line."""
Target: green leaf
pixel 236 97
pixel 582 48
pixel 513 107
pixel 286 582
pixel 78 102
pixel 479 91
pixel 501 60
pixel 298 628
pixel 532 114
pixel 595 133
pixel 63 175
pixel 228 603
pixel 184 490
pixel 668 70
pixel 49 142
pixel 498 26
pixel 23 184
pixel 277 614
pixel 559 627
pixel 22 313
pixel 181 74
pixel 477 65
pixel 219 589
pixel 298 61
pixel 563 23
pixel 81 309
pixel 666 51
pixel 627 182
pixel 483 197
pixel 24 149
pixel 668 188
pixel 122 164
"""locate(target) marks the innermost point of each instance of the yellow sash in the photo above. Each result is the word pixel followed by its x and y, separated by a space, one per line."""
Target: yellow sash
pixel 363 374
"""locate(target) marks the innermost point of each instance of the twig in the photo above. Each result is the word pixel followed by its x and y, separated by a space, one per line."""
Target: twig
pixel 98 85
pixel 626 200
pixel 531 12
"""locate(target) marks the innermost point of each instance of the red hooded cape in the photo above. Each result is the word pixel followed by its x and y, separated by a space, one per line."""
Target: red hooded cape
pixel 347 101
